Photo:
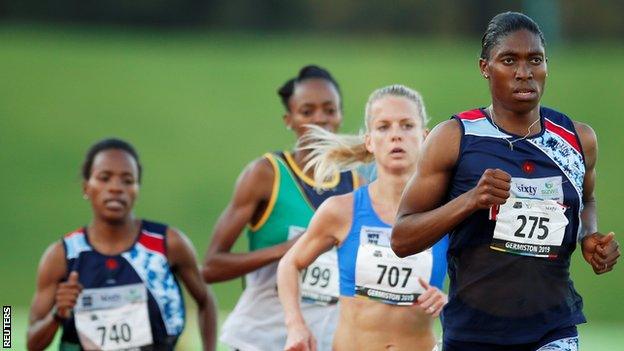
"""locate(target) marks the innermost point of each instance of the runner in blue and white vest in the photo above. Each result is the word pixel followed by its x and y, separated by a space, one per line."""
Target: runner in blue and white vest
pixel 113 284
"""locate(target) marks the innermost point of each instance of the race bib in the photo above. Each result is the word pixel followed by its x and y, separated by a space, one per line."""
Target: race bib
pixel 530 227
pixel 320 281
pixel 113 318
pixel 381 275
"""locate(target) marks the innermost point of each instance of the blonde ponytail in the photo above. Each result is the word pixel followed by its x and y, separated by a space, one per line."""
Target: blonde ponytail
pixel 331 153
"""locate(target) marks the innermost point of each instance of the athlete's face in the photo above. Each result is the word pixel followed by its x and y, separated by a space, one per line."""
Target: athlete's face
pixel 113 185
pixel 395 135
pixel 314 101
pixel 516 70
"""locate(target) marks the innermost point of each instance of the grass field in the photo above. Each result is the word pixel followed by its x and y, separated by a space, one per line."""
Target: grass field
pixel 200 106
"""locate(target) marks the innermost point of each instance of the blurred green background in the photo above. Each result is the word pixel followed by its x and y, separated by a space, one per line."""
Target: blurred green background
pixel 200 104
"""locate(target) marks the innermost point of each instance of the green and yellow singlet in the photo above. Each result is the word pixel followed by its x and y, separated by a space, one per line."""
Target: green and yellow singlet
pixel 257 321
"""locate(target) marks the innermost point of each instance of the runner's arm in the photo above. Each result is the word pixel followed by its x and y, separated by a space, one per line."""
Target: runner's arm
pixel 589 219
pixel 253 188
pixel 182 258
pixel 421 221
pixel 42 325
pixel 599 250
pixel 328 226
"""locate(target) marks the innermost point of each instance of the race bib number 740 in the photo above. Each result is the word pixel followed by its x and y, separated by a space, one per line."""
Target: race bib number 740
pixel 113 318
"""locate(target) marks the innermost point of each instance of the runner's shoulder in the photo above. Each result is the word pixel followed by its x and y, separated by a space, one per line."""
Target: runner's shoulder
pixel 257 178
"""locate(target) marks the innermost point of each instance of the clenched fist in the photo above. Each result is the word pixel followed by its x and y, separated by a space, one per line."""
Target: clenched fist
pixel 491 190
pixel 601 251
pixel 67 295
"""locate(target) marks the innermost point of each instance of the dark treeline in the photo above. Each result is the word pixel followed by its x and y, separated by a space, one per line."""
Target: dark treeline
pixel 570 19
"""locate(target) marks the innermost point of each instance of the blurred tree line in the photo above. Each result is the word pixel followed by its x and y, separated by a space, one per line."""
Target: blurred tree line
pixel 572 19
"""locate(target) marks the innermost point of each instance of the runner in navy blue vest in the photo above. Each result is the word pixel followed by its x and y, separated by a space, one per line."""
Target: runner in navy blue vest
pixel 113 284
pixel 513 184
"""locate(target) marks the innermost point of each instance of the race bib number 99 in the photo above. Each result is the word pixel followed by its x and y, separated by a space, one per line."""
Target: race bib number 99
pixel 113 318
pixel 381 275
pixel 530 227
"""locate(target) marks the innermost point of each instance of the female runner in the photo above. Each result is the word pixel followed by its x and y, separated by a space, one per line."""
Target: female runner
pixel 513 184
pixel 275 199
pixel 386 303
pixel 113 284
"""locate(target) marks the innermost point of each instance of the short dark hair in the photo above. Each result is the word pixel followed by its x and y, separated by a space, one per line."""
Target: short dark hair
pixel 108 144
pixel 503 24
pixel 307 72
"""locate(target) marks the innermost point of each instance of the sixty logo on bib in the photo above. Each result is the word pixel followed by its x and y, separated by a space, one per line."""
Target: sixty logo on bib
pixel 549 188
pixel 113 318
pixel 320 281
pixel 382 275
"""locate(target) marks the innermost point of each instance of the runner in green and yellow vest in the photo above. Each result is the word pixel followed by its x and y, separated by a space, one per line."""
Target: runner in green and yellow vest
pixel 275 200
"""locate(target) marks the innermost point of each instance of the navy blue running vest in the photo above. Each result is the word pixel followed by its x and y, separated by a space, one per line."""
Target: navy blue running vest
pixel 144 262
pixel 499 296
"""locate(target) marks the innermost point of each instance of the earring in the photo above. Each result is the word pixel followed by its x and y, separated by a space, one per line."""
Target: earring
pixel 486 76
pixel 85 196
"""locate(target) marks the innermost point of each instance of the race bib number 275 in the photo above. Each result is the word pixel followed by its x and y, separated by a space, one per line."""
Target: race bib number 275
pixel 530 227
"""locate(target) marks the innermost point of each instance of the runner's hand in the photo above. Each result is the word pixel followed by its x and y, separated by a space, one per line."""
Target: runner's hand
pixel 300 339
pixel 67 295
pixel 601 251
pixel 432 300
pixel 492 189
